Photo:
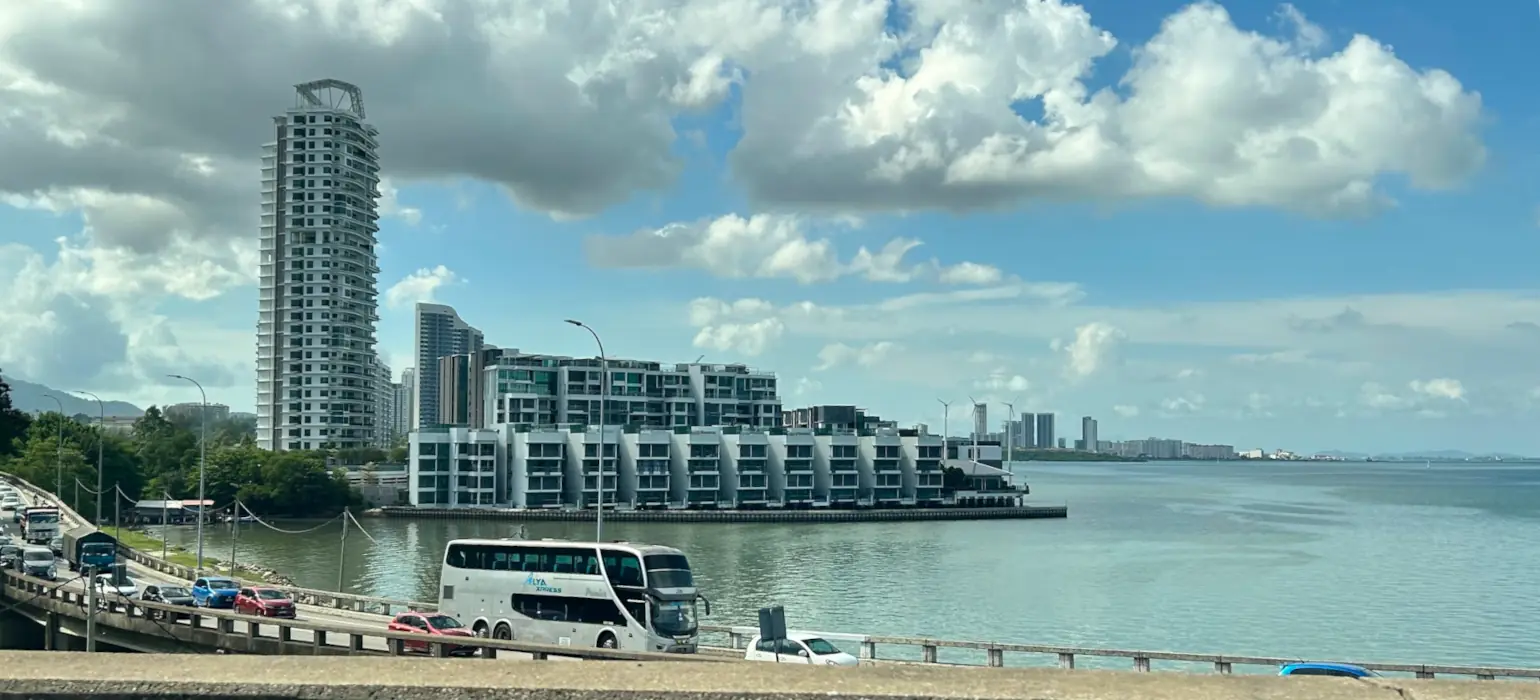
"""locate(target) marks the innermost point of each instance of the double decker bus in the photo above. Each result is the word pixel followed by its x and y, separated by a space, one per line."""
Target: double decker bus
pixel 610 595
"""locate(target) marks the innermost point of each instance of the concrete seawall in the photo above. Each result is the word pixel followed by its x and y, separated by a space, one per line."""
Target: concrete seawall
pixel 71 676
pixel 731 516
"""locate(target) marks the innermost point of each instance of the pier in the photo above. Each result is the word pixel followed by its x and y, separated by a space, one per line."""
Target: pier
pixel 812 515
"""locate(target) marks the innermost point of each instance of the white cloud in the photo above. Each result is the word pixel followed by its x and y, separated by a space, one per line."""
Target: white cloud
pixel 750 339
pixel 806 386
pixel 839 354
pixel 1126 411
pixel 1442 388
pixel 773 246
pixel 420 286
pixel 1095 346
pixel 1002 381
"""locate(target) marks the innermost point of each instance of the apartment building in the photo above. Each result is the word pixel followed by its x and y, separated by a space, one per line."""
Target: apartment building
pixel 403 401
pixel 1044 438
pixel 546 390
pixel 833 417
pixel 384 404
pixel 526 466
pixel 439 333
pixel 317 273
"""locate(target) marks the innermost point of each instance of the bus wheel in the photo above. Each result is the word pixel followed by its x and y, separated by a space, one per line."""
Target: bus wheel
pixel 607 641
pixel 502 632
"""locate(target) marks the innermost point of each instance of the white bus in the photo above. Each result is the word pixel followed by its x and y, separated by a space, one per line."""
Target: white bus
pixel 611 595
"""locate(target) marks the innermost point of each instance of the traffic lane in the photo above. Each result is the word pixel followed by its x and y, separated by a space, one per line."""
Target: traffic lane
pixel 351 619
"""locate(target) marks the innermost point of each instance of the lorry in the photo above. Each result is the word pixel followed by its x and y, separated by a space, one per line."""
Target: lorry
pixel 88 547
pixel 39 524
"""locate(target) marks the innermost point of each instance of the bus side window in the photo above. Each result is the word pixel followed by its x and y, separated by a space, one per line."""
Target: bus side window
pixel 638 610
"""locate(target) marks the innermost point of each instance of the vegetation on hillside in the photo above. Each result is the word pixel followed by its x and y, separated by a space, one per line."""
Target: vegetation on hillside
pixel 159 458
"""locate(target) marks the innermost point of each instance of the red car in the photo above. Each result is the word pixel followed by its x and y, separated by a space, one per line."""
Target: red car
pixel 264 602
pixel 432 624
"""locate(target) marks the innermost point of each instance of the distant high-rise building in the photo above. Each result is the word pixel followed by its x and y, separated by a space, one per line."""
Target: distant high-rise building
pixel 1021 432
pixel 317 298
pixel 384 405
pixel 980 420
pixel 440 333
pixel 404 392
pixel 1088 434
pixel 1045 437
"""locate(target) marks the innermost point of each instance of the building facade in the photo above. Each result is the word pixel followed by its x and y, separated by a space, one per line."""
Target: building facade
pixel 317 298
pixel 1088 438
pixel 193 412
pixel 833 417
pixel 384 405
pixel 440 332
pixel 518 466
pixel 1044 438
pixel 403 391
pixel 547 390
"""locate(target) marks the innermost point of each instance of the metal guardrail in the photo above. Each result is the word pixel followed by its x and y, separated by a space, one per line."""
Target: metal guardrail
pixel 995 655
pixel 216 628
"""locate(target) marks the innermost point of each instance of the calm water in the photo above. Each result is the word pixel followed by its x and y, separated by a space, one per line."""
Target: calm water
pixel 1369 562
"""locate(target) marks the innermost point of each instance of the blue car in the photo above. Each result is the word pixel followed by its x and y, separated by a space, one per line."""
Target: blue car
pixel 214 592
pixel 1327 669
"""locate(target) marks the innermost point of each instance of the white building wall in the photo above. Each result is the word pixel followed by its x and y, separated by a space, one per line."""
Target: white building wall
pixel 453 467
pixel 317 275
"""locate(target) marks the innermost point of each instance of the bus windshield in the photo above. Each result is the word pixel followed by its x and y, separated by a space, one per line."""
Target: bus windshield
pixel 669 571
pixel 674 618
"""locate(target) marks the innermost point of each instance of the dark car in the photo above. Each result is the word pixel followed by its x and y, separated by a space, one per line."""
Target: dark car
pixel 169 595
pixel 1327 669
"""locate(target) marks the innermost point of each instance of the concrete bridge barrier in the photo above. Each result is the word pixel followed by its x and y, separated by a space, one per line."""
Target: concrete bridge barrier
pixel 79 676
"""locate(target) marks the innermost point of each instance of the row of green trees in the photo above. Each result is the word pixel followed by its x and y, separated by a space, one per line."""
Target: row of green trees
pixel 159 458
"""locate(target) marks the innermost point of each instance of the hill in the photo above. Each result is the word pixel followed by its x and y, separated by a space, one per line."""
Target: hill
pixel 30 398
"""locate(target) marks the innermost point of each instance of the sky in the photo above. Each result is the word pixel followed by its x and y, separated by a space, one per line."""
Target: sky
pixel 1284 226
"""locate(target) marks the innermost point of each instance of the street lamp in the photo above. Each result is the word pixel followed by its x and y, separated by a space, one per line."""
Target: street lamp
pixel 203 459
pixel 101 444
pixel 58 489
pixel 604 392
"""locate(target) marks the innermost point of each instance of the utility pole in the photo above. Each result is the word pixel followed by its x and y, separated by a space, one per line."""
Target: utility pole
pixel 91 600
pixel 101 446
pixel 604 394
pixel 342 553
pixel 235 533
pixel 165 501
pixel 58 489
pixel 117 522
pixel 1010 427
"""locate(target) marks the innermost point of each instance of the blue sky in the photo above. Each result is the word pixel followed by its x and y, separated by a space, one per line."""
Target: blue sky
pixel 1190 276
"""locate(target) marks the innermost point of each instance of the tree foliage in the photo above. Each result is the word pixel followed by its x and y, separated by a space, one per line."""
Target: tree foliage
pixel 13 423
pixel 159 458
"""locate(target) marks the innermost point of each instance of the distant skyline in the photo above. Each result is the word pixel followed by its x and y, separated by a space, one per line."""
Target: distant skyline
pixel 1307 225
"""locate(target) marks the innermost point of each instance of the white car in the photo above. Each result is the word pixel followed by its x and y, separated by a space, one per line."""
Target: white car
pixel 799 648
pixel 123 586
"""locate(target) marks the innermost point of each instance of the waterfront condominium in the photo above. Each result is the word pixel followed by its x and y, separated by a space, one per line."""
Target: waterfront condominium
pixel 1088 438
pixel 440 333
pixel 728 467
pixel 317 279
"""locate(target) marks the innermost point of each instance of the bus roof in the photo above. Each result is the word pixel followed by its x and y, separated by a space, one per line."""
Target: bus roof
pixel 642 549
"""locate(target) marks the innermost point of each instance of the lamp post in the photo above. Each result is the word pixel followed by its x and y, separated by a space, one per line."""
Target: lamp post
pixel 203 458
pixel 604 392
pixel 58 489
pixel 101 444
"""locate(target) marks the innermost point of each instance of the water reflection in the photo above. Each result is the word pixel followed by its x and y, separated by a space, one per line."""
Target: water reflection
pixel 1323 561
